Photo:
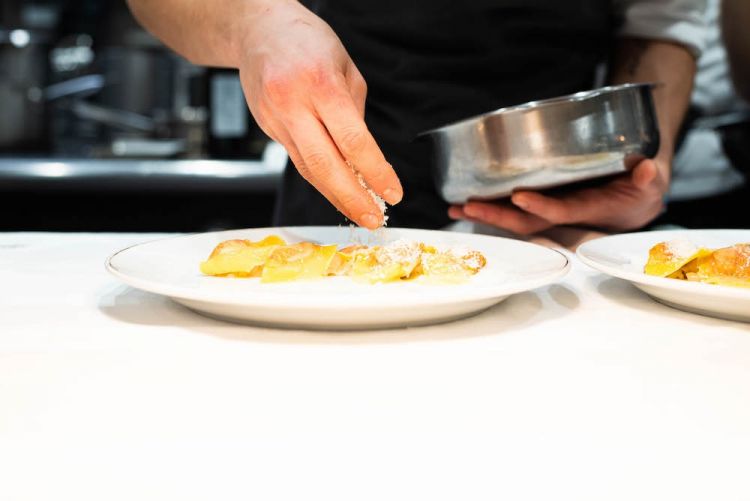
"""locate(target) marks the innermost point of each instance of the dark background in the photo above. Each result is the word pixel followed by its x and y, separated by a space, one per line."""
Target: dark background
pixel 83 85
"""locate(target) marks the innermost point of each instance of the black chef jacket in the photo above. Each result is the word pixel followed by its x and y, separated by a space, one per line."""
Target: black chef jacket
pixel 431 62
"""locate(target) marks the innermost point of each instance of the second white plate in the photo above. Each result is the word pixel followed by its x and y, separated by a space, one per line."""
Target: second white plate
pixel 623 256
pixel 170 267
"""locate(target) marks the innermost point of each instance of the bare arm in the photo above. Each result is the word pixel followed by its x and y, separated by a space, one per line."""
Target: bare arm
pixel 300 84
pixel 735 19
pixel 671 66
pixel 627 202
pixel 206 33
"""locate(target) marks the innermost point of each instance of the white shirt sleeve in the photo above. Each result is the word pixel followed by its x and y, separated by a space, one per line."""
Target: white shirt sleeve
pixel 679 21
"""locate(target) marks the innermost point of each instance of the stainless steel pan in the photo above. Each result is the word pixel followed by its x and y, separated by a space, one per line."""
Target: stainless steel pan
pixel 545 143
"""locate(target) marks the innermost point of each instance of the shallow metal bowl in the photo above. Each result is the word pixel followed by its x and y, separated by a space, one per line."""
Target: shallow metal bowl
pixel 546 143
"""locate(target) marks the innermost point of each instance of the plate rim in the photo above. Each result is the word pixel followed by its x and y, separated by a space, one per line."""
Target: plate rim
pixel 271 301
pixel 715 290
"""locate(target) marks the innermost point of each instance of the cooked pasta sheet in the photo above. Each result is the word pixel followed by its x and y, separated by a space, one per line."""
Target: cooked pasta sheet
pixel 274 260
pixel 683 260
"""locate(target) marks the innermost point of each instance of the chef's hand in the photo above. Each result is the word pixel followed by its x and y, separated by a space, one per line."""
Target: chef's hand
pixel 625 203
pixel 306 93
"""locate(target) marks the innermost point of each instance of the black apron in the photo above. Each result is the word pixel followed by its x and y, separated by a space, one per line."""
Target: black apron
pixel 431 62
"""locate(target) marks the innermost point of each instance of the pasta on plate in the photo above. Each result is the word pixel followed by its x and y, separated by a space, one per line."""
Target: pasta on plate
pixel 683 260
pixel 274 260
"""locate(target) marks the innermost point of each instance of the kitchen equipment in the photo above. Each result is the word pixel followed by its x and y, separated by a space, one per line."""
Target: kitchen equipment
pixel 546 143
pixel 23 75
pixel 231 131
pixel 125 96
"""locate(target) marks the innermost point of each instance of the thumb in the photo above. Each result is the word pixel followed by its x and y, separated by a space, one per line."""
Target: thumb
pixel 644 173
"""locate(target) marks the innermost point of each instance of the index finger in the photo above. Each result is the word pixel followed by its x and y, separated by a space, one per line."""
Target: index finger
pixel 345 124
pixel 505 217
pixel 329 173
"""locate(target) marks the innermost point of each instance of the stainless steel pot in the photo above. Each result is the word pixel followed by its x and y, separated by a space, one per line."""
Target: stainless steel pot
pixel 545 143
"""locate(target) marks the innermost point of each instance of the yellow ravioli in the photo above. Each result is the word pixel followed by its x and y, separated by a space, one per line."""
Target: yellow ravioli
pixel 242 258
pixel 726 266
pixel 447 267
pixel 302 261
pixel 365 268
pixel 273 260
pixel 667 259
pixel 387 263
pixel 342 261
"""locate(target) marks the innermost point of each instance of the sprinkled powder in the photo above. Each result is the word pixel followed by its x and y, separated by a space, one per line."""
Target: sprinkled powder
pixel 472 260
pixel 375 197
pixel 681 247
pixel 372 237
pixel 399 251
pixel 744 251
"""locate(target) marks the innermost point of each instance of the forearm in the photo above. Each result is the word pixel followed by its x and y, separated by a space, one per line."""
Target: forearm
pixel 205 32
pixel 735 17
pixel 670 65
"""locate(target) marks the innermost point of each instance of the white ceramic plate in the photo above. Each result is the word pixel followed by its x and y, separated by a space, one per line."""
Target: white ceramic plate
pixel 170 267
pixel 624 256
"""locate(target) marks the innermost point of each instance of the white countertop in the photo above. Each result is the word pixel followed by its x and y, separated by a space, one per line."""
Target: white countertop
pixel 584 390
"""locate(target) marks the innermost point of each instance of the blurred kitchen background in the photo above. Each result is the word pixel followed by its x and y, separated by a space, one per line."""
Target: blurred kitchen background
pixel 104 128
